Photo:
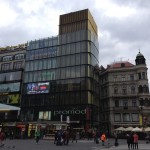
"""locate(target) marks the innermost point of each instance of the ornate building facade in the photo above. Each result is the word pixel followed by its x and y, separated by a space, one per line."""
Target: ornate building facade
pixel 124 94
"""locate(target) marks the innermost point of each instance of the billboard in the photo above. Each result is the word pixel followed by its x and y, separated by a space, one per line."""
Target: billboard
pixel 38 88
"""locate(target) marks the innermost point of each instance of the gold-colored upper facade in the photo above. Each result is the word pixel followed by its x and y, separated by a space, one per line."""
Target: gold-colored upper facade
pixel 75 21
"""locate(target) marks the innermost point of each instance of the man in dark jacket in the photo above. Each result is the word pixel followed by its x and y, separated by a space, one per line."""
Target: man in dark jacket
pixel 128 140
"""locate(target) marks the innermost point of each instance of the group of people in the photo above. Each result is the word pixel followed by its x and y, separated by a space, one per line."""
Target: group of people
pixel 61 137
pixel 132 140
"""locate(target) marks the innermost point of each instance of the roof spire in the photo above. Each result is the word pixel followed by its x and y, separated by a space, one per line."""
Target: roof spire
pixel 139 50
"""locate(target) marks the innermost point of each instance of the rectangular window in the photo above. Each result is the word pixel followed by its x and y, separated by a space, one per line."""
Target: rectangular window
pixel 139 74
pixel 135 117
pixel 123 78
pixel 68 72
pixel 143 75
pixel 72 72
pixel 18 65
pixel 134 103
pixel 77 59
pixel 40 65
pixel 126 117
pixel 116 103
pixel 117 117
pixel 77 71
pixel 125 104
pixel 49 64
pixel 124 91
pixel 131 77
pixel 6 66
pixel 115 78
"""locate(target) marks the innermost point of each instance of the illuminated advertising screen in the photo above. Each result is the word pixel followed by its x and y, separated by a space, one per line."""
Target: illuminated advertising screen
pixel 38 88
pixel 45 115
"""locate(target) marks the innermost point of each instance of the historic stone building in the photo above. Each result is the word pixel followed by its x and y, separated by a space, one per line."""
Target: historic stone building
pixel 124 94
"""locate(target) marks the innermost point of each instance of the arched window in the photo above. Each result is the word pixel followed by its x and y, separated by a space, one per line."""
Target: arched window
pixel 124 90
pixel 140 89
pixel 146 102
pixel 145 89
pixel 132 89
pixel 141 101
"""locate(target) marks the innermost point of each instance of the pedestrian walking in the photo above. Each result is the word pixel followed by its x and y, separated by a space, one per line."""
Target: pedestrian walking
pixel 97 137
pixel 103 139
pixel 74 136
pixel 136 138
pixel 55 137
pixel 116 139
pixel 37 136
pixel 131 141
pixel 2 138
pixel 128 140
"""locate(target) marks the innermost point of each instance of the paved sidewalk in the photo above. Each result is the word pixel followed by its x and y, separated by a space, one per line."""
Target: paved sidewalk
pixel 125 147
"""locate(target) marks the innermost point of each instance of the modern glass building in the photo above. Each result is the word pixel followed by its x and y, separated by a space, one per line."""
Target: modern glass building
pixel 60 78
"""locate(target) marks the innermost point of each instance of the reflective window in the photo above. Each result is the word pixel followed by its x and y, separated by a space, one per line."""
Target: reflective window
pixel 7 58
pixel 77 59
pixel 77 71
pixel 68 72
pixel 72 72
pixel 72 58
pixel 19 56
pixel 67 59
pixel 6 66
pixel 126 117
pixel 18 65
pixel 135 117
pixel 117 117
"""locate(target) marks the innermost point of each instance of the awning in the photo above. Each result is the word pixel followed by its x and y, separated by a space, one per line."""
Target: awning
pixel 4 107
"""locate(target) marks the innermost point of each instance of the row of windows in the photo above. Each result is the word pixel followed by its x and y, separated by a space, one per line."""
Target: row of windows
pixel 145 102
pixel 126 117
pixel 55 74
pixel 11 76
pixel 81 35
pixel 64 61
pixel 69 85
pixel 132 90
pixel 124 90
pixel 63 50
pixel 130 77
pixel 47 42
pixel 125 103
pixel 15 57
pixel 67 98
pixel 12 66
pixel 10 87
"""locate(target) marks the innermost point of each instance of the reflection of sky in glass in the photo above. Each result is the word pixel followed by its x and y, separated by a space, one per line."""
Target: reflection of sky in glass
pixel 11 87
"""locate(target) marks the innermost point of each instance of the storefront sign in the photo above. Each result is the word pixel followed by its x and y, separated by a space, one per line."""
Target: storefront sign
pixel 70 112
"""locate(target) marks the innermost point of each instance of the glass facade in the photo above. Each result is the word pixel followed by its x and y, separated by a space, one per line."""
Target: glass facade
pixel 67 63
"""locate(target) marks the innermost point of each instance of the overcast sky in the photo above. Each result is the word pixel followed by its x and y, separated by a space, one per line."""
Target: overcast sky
pixel 123 25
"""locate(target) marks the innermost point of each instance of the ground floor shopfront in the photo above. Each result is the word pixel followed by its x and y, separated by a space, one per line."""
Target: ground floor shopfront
pixel 85 116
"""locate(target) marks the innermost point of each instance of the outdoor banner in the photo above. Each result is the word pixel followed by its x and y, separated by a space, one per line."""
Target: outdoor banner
pixel 140 120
